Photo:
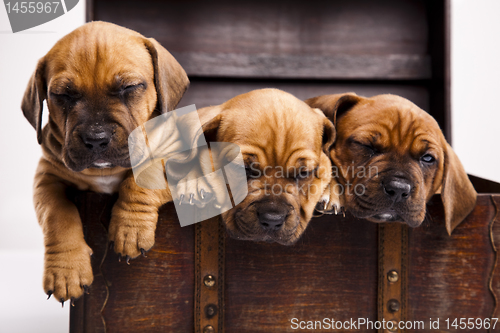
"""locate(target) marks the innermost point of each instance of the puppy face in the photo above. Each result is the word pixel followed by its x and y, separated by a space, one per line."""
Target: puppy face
pixel 101 82
pixel 391 157
pixel 283 143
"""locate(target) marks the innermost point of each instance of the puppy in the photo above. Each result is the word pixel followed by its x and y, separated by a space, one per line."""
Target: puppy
pixel 284 145
pixel 100 82
pixel 391 158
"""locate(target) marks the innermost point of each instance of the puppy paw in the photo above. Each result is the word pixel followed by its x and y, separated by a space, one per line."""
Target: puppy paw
pixel 67 274
pixel 194 192
pixel 331 202
pixel 133 235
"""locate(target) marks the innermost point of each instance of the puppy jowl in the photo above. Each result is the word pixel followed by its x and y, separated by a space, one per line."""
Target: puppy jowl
pixel 170 152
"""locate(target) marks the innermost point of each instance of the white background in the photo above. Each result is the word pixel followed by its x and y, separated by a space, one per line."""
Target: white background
pixel 475 121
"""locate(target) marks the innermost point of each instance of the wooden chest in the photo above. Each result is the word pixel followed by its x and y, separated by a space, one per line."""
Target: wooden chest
pixel 335 272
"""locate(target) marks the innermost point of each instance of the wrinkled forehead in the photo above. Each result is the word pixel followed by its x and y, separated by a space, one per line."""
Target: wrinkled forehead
pixel 100 59
pixel 397 121
pixel 275 137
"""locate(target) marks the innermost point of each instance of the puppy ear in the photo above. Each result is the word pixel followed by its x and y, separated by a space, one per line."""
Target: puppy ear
pixel 171 80
pixel 32 104
pixel 329 135
pixel 457 193
pixel 334 106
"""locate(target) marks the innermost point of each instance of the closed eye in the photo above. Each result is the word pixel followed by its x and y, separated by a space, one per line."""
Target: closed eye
pixel 131 88
pixel 368 147
pixel 66 97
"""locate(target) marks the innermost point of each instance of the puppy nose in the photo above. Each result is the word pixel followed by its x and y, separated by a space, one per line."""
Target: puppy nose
pixel 398 189
pixel 272 220
pixel 96 141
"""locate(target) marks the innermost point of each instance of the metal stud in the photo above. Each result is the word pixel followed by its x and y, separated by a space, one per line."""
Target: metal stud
pixel 392 276
pixel 208 329
pixel 209 281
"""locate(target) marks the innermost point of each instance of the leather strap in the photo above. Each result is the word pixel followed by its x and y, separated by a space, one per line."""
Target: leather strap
pixel 209 275
pixel 393 274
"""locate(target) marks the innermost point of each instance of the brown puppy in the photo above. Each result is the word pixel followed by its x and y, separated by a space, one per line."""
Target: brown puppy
pixel 391 158
pixel 283 144
pixel 101 82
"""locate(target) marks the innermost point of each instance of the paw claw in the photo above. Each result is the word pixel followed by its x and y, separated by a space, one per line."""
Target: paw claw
pixel 119 257
pixel 62 302
pixel 49 293
pixel 180 199
pixel 111 245
pixel 72 302
pixel 191 196
pixel 127 259
pixel 86 289
pixel 143 252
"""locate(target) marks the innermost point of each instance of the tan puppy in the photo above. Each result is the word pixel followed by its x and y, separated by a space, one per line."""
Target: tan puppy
pixel 100 82
pixel 284 144
pixel 391 158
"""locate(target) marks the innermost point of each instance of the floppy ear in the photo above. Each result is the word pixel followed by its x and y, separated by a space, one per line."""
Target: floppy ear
pixel 171 80
pixel 457 193
pixel 32 104
pixel 329 135
pixel 333 106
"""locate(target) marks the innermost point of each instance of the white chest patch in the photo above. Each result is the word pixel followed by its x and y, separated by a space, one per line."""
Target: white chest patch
pixel 106 184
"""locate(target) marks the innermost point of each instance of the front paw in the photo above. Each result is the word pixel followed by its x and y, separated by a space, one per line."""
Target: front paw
pixel 67 273
pixel 132 233
pixel 193 192
pixel 331 202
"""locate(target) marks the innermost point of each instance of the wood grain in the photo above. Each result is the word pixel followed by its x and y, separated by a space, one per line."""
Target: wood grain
pixel 314 39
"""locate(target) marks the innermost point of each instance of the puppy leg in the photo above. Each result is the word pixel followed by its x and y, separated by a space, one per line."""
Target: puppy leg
pixel 67 269
pixel 134 217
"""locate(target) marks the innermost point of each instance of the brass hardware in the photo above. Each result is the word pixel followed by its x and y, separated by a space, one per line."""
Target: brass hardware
pixel 209 281
pixel 393 276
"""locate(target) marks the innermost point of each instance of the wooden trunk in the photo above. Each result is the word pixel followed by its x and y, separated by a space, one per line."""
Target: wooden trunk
pixel 332 272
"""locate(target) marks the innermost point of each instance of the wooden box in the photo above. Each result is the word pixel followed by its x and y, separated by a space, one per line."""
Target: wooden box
pixel 332 272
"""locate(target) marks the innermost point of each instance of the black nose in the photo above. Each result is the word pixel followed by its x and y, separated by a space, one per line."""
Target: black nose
pixel 96 141
pixel 398 189
pixel 272 218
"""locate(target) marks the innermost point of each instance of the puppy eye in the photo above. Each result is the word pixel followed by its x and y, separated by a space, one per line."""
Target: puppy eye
pixel 303 174
pixel 428 158
pixel 368 147
pixel 252 172
pixel 66 97
pixel 130 88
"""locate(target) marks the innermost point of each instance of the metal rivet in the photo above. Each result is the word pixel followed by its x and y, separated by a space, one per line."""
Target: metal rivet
pixel 392 276
pixel 394 327
pixel 393 305
pixel 210 310
pixel 208 329
pixel 209 281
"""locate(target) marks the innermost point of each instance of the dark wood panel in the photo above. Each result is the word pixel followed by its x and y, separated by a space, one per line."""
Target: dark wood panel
pixel 213 92
pixel 314 39
pixel 153 294
pixel 395 66
pixel 330 273
pixel 450 275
